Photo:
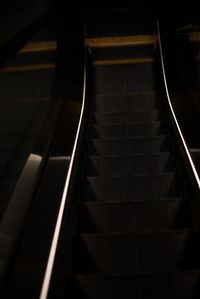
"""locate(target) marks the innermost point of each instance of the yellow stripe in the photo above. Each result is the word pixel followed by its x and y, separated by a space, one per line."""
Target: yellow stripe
pixel 23 68
pixel 120 41
pixel 123 61
pixel 39 47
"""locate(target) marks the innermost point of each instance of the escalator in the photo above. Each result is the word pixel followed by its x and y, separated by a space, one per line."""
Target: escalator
pixel 112 214
pixel 133 236
pixel 24 105
pixel 27 94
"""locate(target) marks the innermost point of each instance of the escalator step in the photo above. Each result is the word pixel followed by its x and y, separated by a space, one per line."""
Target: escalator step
pixel 136 253
pixel 131 188
pixel 118 118
pixel 109 217
pixel 110 53
pixel 109 23
pixel 127 131
pixel 123 103
pixel 165 286
pixel 127 166
pixel 123 78
pixel 118 147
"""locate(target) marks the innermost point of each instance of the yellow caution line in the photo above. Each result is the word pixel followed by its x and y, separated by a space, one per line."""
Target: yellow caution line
pixel 39 47
pixel 121 41
pixel 23 68
pixel 123 61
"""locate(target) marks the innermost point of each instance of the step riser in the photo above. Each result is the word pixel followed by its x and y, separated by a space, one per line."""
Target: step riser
pixel 125 103
pixel 130 254
pixel 169 286
pixel 125 118
pixel 124 78
pixel 128 166
pixel 133 217
pixel 127 131
pixel 125 189
pixel 127 147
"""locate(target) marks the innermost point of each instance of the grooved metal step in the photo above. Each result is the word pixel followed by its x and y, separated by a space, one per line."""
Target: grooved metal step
pixel 121 147
pixel 127 131
pixel 125 103
pixel 131 188
pixel 129 165
pixel 124 78
pixel 121 52
pixel 170 285
pixel 109 217
pixel 136 253
pixel 118 118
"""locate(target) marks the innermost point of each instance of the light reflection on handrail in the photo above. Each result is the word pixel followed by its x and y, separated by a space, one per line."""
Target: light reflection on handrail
pixel 56 235
pixel 173 113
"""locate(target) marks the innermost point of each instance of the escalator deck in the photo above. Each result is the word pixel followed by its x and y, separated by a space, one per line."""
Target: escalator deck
pixel 134 236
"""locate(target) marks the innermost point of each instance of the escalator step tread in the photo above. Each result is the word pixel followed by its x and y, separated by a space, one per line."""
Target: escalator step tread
pixel 136 253
pixel 109 217
pixel 130 165
pixel 123 103
pixel 120 147
pixel 130 188
pixel 126 117
pixel 127 131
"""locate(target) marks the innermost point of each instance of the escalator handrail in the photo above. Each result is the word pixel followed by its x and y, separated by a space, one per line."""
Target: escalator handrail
pixel 59 220
pixel 195 173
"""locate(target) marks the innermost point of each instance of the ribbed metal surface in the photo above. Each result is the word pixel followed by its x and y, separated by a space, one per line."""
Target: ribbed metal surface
pixel 119 23
pixel 109 217
pixel 133 77
pixel 137 253
pixel 130 165
pixel 125 103
pixel 127 131
pixel 157 286
pixel 118 147
pixel 119 118
pixel 131 188
pixel 123 52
